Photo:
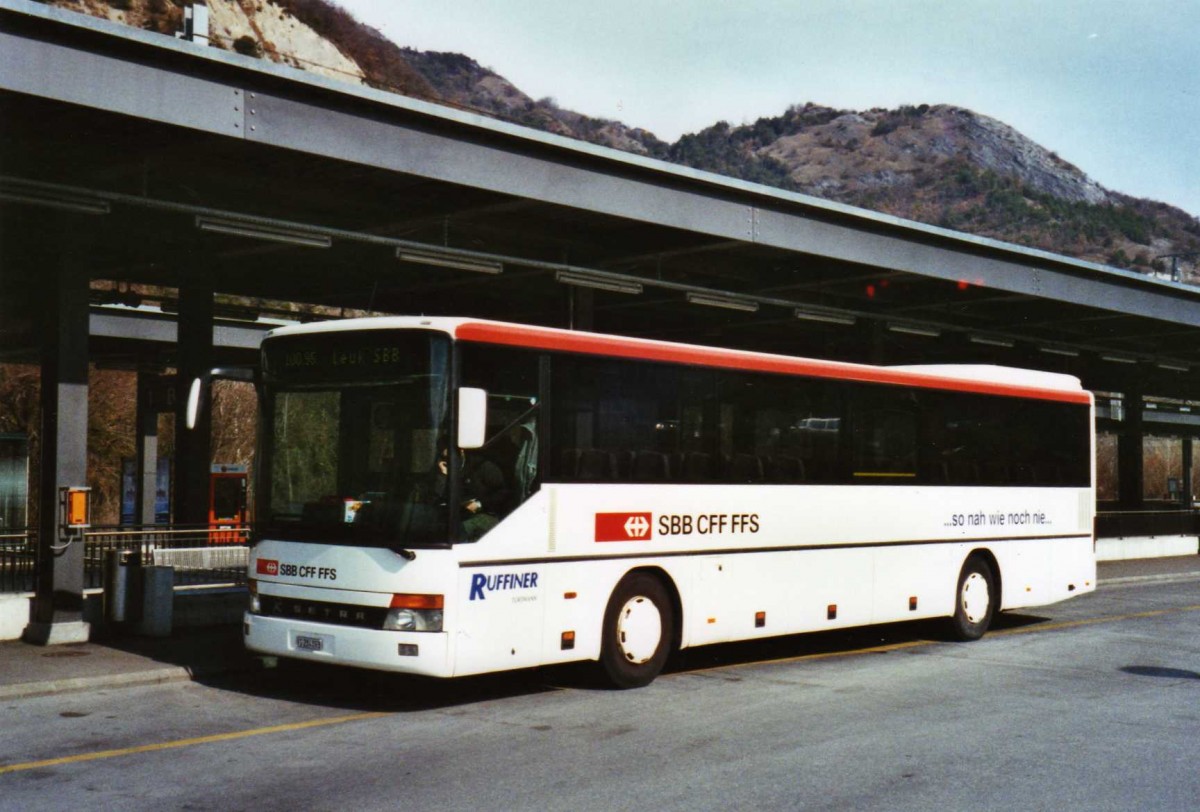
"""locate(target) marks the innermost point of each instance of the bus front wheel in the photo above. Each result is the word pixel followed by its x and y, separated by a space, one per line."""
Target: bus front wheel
pixel 638 629
pixel 975 600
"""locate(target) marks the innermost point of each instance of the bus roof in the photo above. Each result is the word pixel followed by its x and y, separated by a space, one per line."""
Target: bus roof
pixel 982 379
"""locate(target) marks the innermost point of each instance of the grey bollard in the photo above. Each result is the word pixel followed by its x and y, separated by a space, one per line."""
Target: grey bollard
pixel 158 601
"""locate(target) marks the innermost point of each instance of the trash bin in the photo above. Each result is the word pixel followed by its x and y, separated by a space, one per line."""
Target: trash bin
pixel 121 573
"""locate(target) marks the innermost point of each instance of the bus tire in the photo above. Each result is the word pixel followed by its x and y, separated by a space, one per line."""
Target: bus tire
pixel 638 630
pixel 975 600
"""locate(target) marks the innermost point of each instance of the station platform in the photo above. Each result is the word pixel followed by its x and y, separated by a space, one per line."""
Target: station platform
pixel 28 670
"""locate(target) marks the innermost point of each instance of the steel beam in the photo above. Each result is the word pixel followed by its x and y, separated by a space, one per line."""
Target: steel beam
pixel 165 330
pixel 117 69
pixel 64 69
pixel 193 446
pixel 753 216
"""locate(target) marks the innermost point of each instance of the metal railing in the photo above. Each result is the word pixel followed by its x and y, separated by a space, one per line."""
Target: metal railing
pixel 1176 521
pixel 199 554
pixel 18 560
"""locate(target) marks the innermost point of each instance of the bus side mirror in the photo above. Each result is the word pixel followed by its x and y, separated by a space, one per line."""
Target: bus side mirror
pixel 193 401
pixel 472 417
pixel 200 387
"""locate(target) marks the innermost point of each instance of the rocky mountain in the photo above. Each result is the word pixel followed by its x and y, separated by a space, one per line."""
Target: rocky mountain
pixel 950 167
pixel 939 164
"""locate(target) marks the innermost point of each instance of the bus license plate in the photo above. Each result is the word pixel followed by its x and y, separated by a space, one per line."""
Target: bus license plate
pixel 305 642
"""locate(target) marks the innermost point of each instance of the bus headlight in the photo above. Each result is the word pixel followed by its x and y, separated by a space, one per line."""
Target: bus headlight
pixel 414 613
pixel 413 620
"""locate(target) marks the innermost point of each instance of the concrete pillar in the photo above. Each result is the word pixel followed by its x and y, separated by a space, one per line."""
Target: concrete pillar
pixel 1189 486
pixel 146 481
pixel 1130 453
pixel 57 615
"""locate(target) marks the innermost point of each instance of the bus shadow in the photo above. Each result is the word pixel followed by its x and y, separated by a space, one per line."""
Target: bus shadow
pixel 364 690
pixel 356 689
pixel 1014 621
pixel 1159 671
pixel 882 639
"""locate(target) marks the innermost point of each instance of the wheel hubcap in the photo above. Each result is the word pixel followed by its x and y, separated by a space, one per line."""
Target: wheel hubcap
pixel 639 629
pixel 975 598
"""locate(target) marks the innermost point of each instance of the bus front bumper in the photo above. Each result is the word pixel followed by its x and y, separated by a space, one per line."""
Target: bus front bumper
pixel 425 653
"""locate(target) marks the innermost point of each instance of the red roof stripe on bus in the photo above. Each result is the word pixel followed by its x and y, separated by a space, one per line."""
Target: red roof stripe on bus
pixel 542 338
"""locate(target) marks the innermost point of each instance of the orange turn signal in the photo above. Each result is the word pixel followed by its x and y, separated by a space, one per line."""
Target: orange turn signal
pixel 417 602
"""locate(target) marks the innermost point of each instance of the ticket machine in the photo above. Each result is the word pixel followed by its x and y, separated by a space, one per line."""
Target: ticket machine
pixel 227 503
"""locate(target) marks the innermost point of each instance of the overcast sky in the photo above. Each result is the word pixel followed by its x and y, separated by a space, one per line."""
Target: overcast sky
pixel 1112 86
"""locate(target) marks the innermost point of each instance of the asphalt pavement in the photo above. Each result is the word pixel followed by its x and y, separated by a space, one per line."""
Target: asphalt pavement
pixel 115 661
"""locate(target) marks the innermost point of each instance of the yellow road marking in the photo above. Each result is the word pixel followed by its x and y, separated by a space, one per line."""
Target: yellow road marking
pixel 1092 621
pixel 1037 627
pixel 823 655
pixel 218 737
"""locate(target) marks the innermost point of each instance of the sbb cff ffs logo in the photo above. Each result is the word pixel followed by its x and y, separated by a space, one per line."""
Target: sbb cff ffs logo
pixel 624 526
pixel 266 566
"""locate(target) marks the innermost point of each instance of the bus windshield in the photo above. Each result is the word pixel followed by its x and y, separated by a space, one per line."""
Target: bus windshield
pixel 351 441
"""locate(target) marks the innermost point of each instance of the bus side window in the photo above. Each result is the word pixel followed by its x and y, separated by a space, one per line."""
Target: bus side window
pixel 621 421
pixel 884 436
pixel 779 429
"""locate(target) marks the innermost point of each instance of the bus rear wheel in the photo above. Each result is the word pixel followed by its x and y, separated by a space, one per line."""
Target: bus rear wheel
pixel 638 629
pixel 975 600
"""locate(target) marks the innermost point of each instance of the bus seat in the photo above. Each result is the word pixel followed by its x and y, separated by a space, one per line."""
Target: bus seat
pixel 786 469
pixel 936 472
pixel 697 467
pixel 569 461
pixel 624 461
pixel 650 466
pixel 596 466
pixel 745 468
pixel 962 472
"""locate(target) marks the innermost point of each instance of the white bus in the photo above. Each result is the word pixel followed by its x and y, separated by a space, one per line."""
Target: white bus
pixel 447 496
